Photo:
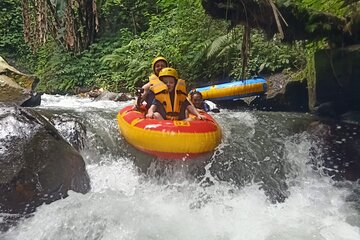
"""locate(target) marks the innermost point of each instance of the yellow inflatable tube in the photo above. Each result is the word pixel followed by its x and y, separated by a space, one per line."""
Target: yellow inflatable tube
pixel 167 138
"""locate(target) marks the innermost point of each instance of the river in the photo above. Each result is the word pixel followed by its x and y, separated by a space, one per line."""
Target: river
pixel 265 181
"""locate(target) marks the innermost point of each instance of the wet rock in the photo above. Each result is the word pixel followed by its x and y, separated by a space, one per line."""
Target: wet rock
pixel 88 92
pixel 113 96
pixel 283 95
pixel 15 86
pixel 10 91
pixel 81 90
pixel 71 129
pixel 33 101
pixel 327 109
pixel 340 149
pixel 337 74
pixel 351 117
pixel 36 164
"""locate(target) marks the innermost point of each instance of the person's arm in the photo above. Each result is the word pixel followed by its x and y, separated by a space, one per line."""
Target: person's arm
pixel 149 98
pixel 151 111
pixel 193 110
pixel 146 88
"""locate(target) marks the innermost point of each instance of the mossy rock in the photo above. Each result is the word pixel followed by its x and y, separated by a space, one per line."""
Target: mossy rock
pixel 15 86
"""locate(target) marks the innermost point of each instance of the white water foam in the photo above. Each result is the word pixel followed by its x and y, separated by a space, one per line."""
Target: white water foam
pixel 125 204
pixel 79 104
pixel 14 129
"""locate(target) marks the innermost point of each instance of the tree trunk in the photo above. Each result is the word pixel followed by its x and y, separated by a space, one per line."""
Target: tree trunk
pixel 76 29
pixel 26 20
pixel 245 50
pixel 39 32
pixel 69 26
pixel 54 22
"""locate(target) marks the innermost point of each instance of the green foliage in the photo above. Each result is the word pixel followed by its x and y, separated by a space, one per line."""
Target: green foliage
pixel 336 20
pixel 336 7
pixel 12 45
pixel 308 72
pixel 10 26
pixel 178 34
pixel 273 56
pixel 339 8
pixel 134 32
pixel 131 14
pixel 127 71
pixel 266 56
pixel 62 72
pixel 201 48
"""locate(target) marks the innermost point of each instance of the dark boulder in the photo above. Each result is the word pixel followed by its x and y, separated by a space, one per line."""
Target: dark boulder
pixel 331 109
pixel 351 117
pixel 283 95
pixel 36 164
pixel 113 96
pixel 33 101
pixel 340 149
pixel 337 84
pixel 71 129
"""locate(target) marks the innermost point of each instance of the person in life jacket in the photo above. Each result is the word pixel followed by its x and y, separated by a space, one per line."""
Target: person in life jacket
pixel 157 64
pixel 170 98
pixel 201 104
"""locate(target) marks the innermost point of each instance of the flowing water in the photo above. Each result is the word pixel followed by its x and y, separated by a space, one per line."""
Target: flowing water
pixel 265 181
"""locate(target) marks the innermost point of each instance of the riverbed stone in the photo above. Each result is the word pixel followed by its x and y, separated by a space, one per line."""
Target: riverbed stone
pixel 15 86
pixel 117 97
pixel 284 94
pixel 71 129
pixel 340 148
pixel 36 164
pixel 337 74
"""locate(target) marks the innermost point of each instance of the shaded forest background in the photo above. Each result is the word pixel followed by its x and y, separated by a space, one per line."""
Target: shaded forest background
pixel 110 43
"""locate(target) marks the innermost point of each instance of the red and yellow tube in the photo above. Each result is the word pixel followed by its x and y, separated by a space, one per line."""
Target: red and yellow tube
pixel 167 138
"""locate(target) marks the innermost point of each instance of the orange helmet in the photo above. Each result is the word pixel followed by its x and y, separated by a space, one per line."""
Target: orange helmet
pixel 168 71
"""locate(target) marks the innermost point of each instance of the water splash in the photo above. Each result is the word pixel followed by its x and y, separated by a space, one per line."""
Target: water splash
pixel 223 197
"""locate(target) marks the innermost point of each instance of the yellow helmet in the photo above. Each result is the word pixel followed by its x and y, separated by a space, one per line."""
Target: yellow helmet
pixel 158 59
pixel 168 71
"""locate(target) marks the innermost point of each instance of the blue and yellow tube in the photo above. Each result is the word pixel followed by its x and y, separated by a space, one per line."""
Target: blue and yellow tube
pixel 234 90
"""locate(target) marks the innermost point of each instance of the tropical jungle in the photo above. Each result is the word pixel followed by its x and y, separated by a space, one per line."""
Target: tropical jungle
pixel 110 43
pixel 81 159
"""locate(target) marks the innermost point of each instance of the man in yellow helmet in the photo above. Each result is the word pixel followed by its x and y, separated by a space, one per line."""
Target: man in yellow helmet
pixel 157 64
pixel 170 97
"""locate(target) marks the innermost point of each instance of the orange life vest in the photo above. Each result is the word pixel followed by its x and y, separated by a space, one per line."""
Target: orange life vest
pixel 162 95
pixel 153 79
